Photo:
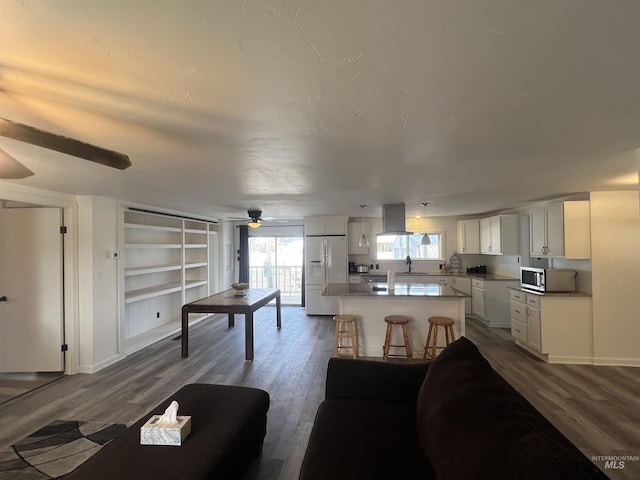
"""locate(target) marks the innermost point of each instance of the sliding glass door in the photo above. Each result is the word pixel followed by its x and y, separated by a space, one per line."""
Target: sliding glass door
pixel 276 262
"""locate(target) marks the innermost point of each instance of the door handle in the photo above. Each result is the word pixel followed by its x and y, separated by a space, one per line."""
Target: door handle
pixel 3 298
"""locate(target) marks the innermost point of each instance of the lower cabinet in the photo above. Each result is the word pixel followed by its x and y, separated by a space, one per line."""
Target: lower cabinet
pixel 490 301
pixel 463 284
pixel 477 297
pixel 555 327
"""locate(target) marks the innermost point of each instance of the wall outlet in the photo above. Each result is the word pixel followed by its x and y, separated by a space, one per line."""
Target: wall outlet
pixel 114 254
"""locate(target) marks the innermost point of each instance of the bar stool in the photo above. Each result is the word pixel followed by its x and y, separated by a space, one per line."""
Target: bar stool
pixel 438 322
pixel 403 321
pixel 345 330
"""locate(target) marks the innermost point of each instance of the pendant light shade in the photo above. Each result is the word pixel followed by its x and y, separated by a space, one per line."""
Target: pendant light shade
pixel 425 238
pixel 364 241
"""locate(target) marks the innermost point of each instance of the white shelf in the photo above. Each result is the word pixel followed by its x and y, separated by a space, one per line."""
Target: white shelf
pixel 194 283
pixel 153 245
pixel 168 258
pixel 151 292
pixel 196 265
pixel 159 228
pixel 151 269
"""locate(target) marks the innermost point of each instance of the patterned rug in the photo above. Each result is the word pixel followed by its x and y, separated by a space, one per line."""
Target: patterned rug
pixel 56 449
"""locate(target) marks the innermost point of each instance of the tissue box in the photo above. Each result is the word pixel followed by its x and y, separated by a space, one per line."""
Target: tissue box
pixel 155 433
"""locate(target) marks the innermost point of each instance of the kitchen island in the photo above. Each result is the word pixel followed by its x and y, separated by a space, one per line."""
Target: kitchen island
pixel 371 302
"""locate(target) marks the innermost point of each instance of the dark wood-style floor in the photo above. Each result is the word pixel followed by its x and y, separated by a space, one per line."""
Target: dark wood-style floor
pixel 596 407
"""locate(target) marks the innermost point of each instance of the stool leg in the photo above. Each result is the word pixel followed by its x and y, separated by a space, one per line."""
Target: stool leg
pixel 446 334
pixel 453 337
pixel 387 342
pixel 407 345
pixel 426 345
pixel 354 344
pixel 336 342
pixel 435 342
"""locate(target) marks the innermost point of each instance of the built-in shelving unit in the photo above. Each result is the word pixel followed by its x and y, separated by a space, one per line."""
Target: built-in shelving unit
pixel 166 264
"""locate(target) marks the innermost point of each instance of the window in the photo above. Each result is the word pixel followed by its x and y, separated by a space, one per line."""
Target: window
pixel 397 247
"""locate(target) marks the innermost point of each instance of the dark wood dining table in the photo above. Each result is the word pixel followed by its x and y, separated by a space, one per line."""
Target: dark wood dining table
pixel 230 303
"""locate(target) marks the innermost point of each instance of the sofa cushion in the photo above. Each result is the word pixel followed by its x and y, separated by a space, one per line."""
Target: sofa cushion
pixel 473 424
pixel 354 439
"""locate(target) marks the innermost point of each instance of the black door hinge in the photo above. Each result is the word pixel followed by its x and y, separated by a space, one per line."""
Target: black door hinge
pixel 65 347
pixel 63 229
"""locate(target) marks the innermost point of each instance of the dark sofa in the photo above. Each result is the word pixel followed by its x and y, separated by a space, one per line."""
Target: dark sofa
pixel 452 418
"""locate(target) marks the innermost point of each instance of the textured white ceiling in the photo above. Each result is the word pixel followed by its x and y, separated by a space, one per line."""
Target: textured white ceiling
pixel 314 107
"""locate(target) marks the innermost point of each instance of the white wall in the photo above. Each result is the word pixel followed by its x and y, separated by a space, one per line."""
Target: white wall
pixel 99 282
pixel 228 246
pixel 615 242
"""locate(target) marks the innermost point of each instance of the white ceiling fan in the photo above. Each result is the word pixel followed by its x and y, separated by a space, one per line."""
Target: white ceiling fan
pixel 10 168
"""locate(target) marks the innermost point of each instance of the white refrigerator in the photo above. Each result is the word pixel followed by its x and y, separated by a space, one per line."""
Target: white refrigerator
pixel 326 261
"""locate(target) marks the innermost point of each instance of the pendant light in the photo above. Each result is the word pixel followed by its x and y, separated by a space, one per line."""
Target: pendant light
pixel 364 241
pixel 425 238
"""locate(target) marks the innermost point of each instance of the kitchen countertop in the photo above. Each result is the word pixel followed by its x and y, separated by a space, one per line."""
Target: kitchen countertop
pixel 480 276
pixel 434 290
pixel 576 293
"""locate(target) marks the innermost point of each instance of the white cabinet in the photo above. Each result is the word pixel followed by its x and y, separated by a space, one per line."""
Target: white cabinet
pixel 468 236
pixel 499 235
pixel 557 328
pixel 533 322
pixel 525 319
pixel 477 297
pixel 325 225
pixel 490 301
pixel 166 264
pixel 355 233
pixel 561 230
pixel 463 284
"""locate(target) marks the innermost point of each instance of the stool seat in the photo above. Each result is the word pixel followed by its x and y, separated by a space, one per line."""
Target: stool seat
pixel 432 343
pixel 403 321
pixel 442 321
pixel 396 319
pixel 345 338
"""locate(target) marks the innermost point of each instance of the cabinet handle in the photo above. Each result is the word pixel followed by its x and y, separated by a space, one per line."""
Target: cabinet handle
pixel 3 298
pixel 517 311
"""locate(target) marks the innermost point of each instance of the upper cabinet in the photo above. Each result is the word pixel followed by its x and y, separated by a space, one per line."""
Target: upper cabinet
pixel 355 233
pixel 561 230
pixel 469 236
pixel 325 226
pixel 499 235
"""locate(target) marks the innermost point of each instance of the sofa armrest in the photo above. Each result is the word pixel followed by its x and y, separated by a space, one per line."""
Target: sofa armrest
pixel 373 380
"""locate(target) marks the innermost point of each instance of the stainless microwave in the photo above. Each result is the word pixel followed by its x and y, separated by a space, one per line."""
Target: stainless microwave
pixel 548 279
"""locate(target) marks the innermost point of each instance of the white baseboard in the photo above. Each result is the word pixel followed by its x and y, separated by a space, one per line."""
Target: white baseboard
pixel 617 362
pixel 100 365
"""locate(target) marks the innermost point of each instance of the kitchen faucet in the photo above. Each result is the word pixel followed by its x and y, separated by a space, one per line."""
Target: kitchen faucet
pixel 408 262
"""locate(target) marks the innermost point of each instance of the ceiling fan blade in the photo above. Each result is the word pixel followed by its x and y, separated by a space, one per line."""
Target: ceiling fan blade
pixel 10 168
pixel 59 143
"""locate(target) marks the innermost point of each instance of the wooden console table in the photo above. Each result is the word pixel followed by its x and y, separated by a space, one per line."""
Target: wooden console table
pixel 227 302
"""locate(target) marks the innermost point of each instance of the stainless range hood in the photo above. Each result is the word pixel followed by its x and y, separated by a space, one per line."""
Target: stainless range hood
pixel 394 220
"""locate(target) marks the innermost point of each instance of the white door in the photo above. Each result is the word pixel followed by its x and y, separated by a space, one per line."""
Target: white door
pixel 31 318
